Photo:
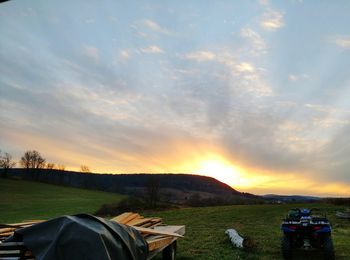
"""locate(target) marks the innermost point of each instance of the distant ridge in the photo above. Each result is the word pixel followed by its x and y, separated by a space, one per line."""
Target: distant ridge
pixel 291 198
pixel 175 187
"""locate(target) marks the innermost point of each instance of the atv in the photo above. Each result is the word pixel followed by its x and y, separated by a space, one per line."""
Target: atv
pixel 302 228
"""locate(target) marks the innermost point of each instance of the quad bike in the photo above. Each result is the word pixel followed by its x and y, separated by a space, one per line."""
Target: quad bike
pixel 302 228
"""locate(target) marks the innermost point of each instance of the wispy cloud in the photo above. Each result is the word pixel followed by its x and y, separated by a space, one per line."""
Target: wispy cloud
pixel 342 41
pixel 91 52
pixel 146 27
pixel 263 2
pixel 295 77
pixel 124 54
pixel 245 67
pixel 154 26
pixel 272 20
pixel 201 56
pixel 152 49
pixel 258 45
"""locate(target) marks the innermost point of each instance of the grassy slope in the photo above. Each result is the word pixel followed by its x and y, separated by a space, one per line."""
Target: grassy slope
pixel 206 239
pixel 23 200
pixel 205 227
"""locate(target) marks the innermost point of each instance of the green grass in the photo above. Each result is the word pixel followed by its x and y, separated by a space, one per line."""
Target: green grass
pixel 205 227
pixel 206 239
pixel 23 200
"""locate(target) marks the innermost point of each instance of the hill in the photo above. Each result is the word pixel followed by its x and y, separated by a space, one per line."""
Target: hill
pixel 24 200
pixel 205 226
pixel 291 198
pixel 174 188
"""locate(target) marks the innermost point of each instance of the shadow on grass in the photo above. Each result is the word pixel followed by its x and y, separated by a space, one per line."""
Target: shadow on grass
pixel 311 254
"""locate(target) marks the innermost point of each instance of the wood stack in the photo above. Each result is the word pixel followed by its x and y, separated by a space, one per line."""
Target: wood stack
pixel 136 220
pixel 6 230
pixel 155 233
pixel 14 251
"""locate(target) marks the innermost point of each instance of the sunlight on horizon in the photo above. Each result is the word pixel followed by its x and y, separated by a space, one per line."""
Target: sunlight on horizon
pixel 223 171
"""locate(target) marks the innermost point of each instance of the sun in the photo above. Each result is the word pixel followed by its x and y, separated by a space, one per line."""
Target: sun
pixel 223 171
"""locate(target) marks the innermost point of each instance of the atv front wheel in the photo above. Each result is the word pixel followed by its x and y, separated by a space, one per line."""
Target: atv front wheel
pixel 287 250
pixel 328 249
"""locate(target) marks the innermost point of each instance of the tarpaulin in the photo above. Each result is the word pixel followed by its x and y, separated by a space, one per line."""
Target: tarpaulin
pixel 82 236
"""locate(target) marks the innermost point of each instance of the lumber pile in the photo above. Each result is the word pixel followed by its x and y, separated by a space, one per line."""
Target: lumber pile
pixel 156 234
pixel 14 250
pixel 136 220
pixel 6 230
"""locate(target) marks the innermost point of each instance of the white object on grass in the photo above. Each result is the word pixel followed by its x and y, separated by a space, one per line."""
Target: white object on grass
pixel 235 238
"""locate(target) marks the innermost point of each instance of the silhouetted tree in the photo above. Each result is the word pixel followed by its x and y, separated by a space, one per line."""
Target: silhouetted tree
pixel 6 163
pixel 85 169
pixel 152 189
pixel 32 160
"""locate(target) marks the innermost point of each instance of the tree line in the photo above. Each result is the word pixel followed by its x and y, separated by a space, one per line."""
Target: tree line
pixel 32 159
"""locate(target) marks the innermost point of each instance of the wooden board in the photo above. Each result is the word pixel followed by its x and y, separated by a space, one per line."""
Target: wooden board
pixel 129 218
pixel 159 243
pixel 139 221
pixel 156 232
pixel 121 217
pixel 178 229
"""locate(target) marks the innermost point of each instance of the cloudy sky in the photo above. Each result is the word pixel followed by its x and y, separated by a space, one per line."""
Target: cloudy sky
pixel 254 93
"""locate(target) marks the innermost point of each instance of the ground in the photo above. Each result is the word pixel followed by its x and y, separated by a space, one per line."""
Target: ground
pixel 206 239
pixel 205 227
pixel 24 200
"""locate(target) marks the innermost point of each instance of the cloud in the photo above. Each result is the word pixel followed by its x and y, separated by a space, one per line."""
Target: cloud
pixel 152 25
pixel 124 54
pixel 201 56
pixel 257 43
pixel 264 2
pixel 342 41
pixel 295 77
pixel 91 52
pixel 152 49
pixel 272 20
pixel 245 67
pixel 146 27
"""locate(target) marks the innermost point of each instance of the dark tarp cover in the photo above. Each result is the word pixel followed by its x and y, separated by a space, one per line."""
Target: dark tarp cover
pixel 82 236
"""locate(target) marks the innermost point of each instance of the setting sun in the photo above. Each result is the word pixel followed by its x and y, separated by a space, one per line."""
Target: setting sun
pixel 223 171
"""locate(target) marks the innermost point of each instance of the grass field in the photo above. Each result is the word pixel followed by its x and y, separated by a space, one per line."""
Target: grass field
pixel 205 227
pixel 22 200
pixel 206 239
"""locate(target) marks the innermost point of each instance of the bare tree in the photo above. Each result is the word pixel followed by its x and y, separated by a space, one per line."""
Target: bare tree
pixel 32 160
pixel 152 189
pixel 6 162
pixel 85 169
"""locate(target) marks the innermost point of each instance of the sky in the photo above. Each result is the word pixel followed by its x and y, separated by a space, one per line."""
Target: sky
pixel 253 93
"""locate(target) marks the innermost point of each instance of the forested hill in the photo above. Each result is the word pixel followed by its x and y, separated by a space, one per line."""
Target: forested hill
pixel 125 183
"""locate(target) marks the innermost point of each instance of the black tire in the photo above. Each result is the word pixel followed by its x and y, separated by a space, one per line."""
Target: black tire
pixel 169 253
pixel 328 249
pixel 287 250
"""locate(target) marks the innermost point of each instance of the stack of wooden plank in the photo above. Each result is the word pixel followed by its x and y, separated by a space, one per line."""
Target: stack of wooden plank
pixel 136 220
pixel 14 251
pixel 156 234
pixel 6 230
